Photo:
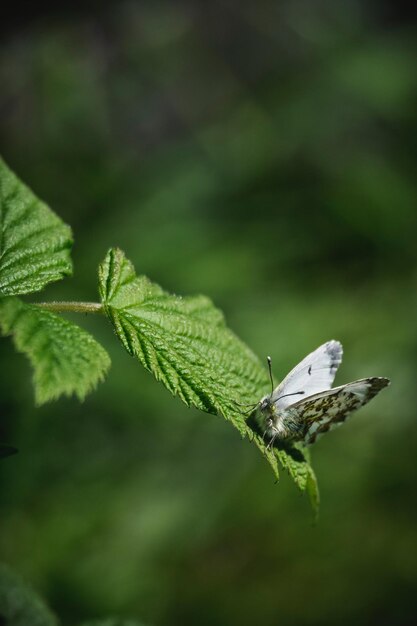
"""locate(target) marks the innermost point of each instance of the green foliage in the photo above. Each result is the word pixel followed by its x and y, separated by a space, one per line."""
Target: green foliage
pixel 184 342
pixel 296 460
pixel 19 605
pixel 66 359
pixel 34 242
pixel 274 172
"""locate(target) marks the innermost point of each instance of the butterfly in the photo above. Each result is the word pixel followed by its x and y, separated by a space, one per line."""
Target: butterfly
pixel 304 406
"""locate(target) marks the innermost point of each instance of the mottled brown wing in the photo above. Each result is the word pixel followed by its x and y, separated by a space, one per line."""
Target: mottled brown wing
pixel 322 411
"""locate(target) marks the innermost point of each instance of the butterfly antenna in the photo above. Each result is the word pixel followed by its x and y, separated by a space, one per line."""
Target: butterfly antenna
pixel 295 393
pixel 268 358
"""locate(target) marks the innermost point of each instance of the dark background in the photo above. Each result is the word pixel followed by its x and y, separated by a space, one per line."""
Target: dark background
pixel 263 154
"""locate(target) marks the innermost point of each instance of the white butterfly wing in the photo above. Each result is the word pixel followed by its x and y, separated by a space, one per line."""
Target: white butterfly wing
pixel 315 373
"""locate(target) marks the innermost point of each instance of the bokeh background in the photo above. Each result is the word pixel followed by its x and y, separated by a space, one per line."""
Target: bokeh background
pixel 263 154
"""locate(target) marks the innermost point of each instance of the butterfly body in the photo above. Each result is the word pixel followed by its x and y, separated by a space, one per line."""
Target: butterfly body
pixel 304 406
pixel 282 424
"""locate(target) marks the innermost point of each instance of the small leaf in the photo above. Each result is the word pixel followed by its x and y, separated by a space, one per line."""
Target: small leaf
pixel 184 342
pixel 19 605
pixel 66 359
pixel 34 242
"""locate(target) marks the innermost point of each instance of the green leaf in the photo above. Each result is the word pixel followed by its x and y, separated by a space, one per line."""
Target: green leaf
pixel 293 460
pixel 19 605
pixel 34 242
pixel 66 359
pixel 270 454
pixel 296 460
pixel 184 342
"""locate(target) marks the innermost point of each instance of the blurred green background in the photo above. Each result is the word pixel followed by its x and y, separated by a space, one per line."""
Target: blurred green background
pixel 262 154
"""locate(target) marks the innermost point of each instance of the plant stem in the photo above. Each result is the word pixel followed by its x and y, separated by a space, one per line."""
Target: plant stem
pixel 75 307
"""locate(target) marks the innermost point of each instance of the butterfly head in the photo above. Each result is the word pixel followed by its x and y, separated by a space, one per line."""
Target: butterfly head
pixel 266 405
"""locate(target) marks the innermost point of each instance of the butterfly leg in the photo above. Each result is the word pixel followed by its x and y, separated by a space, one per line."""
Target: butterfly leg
pixel 271 441
pixel 246 409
